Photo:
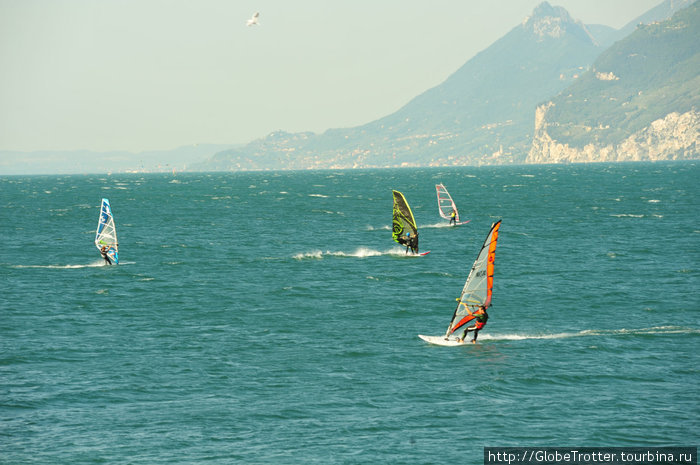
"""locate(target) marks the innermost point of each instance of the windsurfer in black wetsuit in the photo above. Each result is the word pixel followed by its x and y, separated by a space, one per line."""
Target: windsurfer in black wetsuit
pixel 103 251
pixel 453 217
pixel 411 242
pixel 481 319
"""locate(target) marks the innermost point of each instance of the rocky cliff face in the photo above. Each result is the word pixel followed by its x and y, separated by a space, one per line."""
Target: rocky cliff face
pixel 554 22
pixel 674 137
pixel 639 101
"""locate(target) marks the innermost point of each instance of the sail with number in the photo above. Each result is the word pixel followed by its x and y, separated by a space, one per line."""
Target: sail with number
pixel 479 285
pixel 106 235
pixel 404 223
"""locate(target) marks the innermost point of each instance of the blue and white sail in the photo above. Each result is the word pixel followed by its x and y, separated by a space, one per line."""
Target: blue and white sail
pixel 106 235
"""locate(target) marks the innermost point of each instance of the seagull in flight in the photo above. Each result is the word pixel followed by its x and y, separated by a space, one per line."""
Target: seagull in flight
pixel 254 20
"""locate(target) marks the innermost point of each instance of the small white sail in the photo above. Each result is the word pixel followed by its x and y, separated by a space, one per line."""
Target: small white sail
pixel 445 203
pixel 447 206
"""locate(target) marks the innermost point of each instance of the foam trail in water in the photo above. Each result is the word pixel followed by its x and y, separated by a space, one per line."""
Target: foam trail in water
pixel 362 252
pixel 61 267
pixel 381 228
pixel 97 264
pixel 436 225
pixel 592 332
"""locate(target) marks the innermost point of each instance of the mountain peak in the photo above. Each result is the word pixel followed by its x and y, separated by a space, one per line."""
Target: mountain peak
pixel 549 21
pixel 544 9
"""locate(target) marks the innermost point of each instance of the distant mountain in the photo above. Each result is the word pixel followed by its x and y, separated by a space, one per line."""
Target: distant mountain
pixel 606 36
pixel 484 113
pixel 531 96
pixel 640 100
pixel 603 35
pixel 661 12
pixel 85 161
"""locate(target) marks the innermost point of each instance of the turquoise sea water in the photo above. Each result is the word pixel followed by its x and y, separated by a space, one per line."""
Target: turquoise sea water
pixel 269 317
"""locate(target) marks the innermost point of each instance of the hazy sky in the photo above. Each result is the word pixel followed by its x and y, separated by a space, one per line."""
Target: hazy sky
pixel 157 74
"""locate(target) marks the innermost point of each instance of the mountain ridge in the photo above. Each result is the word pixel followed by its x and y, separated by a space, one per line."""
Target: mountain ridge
pixel 640 100
pixel 15 162
pixel 494 109
pixel 483 113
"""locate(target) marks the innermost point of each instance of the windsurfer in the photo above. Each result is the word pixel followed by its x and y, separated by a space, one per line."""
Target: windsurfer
pixel 481 319
pixel 103 251
pixel 453 217
pixel 411 242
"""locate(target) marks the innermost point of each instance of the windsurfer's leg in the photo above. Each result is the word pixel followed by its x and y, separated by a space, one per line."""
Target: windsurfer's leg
pixel 467 329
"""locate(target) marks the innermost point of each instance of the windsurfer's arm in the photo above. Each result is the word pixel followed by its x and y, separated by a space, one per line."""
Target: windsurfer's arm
pixel 466 307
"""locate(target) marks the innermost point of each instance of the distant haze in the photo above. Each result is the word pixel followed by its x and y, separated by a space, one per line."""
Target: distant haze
pixel 138 75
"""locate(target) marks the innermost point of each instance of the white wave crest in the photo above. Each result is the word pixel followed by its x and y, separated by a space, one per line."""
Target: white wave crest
pixel 381 228
pixel 361 252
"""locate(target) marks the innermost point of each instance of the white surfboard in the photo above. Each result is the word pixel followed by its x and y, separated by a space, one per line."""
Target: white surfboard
pixel 440 341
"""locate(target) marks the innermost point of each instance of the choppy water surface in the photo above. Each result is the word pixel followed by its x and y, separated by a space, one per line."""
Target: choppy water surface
pixel 270 318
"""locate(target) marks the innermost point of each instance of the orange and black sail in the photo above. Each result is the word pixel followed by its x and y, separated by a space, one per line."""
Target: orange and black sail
pixel 479 286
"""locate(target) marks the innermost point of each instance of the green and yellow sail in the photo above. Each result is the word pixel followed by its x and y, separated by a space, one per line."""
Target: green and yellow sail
pixel 403 221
